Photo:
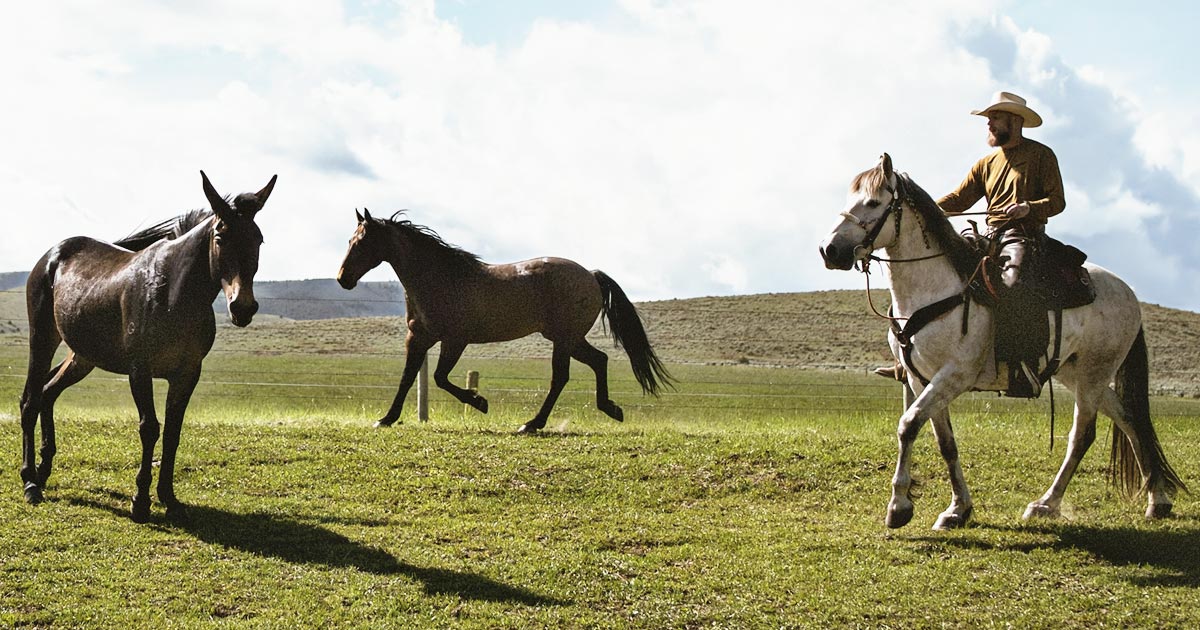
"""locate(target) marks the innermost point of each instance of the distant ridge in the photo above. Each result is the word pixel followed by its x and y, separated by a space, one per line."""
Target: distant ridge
pixel 13 280
pixel 297 299
pixel 325 299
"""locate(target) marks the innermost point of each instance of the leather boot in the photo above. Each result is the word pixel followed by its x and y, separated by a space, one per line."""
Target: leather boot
pixel 895 372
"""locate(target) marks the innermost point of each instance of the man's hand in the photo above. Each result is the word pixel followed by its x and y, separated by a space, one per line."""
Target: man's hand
pixel 1017 210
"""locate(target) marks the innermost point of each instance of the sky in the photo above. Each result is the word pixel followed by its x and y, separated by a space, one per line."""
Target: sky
pixel 687 148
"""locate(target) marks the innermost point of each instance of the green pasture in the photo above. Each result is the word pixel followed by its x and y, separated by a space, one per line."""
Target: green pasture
pixel 750 497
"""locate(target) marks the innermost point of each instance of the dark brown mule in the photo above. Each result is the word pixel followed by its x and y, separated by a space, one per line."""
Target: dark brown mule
pixel 141 307
pixel 455 298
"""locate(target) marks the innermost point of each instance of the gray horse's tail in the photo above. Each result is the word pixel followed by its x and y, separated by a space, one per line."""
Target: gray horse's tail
pixel 629 334
pixel 1133 388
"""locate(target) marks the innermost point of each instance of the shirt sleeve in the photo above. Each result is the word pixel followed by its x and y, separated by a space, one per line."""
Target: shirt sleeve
pixel 968 192
pixel 1051 183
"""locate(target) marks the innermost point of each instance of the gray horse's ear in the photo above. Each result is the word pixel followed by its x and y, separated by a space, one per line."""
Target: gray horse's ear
pixel 218 203
pixel 885 162
pixel 366 215
pixel 266 192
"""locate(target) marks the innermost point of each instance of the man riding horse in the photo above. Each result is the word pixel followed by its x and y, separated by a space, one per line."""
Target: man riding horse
pixel 1023 188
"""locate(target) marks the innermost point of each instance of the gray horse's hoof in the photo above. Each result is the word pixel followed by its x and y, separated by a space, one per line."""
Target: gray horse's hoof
pixel 898 517
pixel 33 494
pixel 1040 510
pixel 1158 510
pixel 952 520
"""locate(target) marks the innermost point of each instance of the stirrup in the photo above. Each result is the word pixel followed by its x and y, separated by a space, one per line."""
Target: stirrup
pixel 1022 381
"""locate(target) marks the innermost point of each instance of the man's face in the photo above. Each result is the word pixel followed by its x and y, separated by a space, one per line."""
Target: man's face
pixel 1001 126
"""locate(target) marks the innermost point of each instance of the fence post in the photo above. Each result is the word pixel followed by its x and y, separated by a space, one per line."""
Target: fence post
pixel 472 385
pixel 423 391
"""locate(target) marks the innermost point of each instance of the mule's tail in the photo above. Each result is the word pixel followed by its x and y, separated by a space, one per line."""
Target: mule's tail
pixel 1133 388
pixel 629 334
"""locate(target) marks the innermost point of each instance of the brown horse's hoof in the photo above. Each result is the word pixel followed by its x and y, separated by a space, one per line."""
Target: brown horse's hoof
pixel 611 410
pixel 480 404
pixel 33 494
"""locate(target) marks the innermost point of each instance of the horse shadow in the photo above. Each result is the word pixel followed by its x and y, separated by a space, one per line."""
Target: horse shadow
pixel 298 542
pixel 1172 553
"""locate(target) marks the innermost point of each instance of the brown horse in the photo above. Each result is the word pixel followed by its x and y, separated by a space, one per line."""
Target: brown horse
pixel 455 298
pixel 141 307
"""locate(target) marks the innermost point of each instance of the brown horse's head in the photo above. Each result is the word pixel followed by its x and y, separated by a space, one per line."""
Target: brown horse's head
pixel 233 252
pixel 366 251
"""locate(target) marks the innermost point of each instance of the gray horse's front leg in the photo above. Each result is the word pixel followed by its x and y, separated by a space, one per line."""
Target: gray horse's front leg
pixel 959 511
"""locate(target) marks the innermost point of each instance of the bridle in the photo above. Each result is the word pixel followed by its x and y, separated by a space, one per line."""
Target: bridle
pixel 893 208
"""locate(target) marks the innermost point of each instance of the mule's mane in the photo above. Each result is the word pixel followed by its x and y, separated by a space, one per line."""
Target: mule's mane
pixel 959 252
pixel 454 254
pixel 170 229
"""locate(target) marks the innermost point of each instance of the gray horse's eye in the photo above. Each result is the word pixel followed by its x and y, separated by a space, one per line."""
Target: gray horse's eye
pixel 874 203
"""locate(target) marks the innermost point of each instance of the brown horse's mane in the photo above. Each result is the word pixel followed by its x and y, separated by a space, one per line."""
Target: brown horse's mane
pixel 170 229
pixel 453 254
pixel 959 251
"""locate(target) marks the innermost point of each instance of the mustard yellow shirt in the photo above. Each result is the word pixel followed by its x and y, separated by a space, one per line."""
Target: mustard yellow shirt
pixel 1026 173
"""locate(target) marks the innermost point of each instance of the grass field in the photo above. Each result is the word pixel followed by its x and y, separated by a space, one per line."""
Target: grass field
pixel 752 497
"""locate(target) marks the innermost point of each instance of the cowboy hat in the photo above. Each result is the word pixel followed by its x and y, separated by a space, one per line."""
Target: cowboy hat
pixel 1013 104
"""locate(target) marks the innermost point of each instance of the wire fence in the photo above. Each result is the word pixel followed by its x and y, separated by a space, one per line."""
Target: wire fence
pixel 756 390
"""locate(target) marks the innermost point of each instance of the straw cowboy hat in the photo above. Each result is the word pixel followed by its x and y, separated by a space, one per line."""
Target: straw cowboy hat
pixel 1013 104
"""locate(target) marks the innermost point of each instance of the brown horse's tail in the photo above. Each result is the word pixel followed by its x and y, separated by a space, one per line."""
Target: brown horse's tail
pixel 1133 388
pixel 629 334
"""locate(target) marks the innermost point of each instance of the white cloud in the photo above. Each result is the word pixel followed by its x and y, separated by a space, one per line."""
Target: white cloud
pixel 689 148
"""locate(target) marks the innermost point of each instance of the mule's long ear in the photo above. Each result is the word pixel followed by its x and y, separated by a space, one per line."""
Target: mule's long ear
pixel 215 200
pixel 885 162
pixel 266 192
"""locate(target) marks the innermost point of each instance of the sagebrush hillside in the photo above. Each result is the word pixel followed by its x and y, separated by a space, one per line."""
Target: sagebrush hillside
pixel 824 330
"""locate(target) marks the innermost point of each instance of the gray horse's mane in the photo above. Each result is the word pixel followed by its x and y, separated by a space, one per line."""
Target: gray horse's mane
pixel 959 251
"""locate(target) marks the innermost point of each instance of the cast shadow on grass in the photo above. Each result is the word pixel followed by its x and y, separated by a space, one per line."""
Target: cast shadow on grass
pixel 1172 556
pixel 297 542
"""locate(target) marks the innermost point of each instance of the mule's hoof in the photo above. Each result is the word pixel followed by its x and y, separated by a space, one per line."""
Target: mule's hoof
pixel 140 512
pixel 33 494
pixel 178 513
pixel 898 517
pixel 1158 510
pixel 1040 510
pixel 952 520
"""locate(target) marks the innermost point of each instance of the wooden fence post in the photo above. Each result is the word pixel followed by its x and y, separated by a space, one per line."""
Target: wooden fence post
pixel 423 391
pixel 472 384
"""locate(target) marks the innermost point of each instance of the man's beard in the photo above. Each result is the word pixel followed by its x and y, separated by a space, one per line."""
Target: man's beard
pixel 999 138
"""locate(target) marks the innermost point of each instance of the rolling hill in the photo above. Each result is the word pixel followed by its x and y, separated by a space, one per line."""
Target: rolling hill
pixel 829 330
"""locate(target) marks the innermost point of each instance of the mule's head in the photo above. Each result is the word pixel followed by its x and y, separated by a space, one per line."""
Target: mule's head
pixel 233 251
pixel 864 225
pixel 367 249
